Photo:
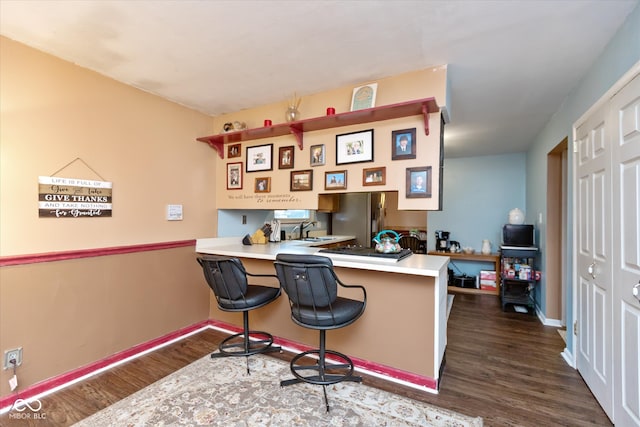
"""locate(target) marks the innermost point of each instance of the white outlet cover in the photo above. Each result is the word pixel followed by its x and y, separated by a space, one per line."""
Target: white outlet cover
pixel 9 354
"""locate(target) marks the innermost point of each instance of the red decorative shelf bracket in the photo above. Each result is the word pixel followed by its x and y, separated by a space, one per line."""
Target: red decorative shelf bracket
pixel 218 146
pixel 299 134
pixel 425 113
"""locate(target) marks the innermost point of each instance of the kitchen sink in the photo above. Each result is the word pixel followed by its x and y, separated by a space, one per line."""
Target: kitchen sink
pixel 316 239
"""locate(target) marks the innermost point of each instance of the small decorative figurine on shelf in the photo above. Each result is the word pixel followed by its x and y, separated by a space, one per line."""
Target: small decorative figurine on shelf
pixel 233 127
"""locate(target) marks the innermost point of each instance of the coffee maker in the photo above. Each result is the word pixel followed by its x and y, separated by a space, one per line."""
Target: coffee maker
pixel 442 241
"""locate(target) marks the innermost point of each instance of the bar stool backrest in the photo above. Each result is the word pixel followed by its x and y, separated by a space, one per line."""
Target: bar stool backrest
pixel 226 276
pixel 310 282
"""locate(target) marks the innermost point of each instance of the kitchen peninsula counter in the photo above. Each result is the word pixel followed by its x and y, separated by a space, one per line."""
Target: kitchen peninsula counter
pixel 401 335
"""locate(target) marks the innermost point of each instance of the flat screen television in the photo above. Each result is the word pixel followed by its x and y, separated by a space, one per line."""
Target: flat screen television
pixel 517 235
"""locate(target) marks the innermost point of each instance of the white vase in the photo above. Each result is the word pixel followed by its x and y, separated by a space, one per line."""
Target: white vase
pixel 516 216
pixel 486 247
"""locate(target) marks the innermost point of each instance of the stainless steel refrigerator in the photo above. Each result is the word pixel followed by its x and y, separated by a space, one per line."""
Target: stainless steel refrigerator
pixel 360 215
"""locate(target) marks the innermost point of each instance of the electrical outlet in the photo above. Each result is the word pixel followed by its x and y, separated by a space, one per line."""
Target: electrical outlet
pixel 13 354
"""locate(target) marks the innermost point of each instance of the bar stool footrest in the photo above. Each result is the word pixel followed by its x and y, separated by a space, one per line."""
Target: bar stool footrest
pixel 259 342
pixel 323 372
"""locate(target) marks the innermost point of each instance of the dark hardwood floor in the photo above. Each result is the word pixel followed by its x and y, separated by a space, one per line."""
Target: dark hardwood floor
pixel 503 366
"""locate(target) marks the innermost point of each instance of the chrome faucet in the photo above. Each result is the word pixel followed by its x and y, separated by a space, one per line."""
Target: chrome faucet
pixel 302 226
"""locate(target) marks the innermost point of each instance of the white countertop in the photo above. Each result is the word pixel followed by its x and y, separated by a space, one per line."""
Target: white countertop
pixel 416 264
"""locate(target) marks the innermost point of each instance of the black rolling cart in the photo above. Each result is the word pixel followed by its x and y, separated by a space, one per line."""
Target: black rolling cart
pixel 518 276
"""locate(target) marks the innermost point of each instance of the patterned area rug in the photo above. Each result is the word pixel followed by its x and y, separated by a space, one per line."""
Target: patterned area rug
pixel 218 392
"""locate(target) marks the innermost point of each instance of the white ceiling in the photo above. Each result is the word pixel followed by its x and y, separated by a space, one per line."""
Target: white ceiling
pixel 511 63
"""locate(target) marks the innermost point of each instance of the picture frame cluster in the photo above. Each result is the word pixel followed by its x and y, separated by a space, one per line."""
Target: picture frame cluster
pixel 350 148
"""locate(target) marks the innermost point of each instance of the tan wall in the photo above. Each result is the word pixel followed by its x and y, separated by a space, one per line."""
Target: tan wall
pixel 405 87
pixel 54 112
pixel 69 313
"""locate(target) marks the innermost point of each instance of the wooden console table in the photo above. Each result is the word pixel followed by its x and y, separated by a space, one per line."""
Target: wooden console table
pixel 493 258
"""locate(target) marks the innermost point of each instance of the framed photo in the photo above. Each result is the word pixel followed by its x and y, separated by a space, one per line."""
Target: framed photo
pixel 354 147
pixel 233 150
pixel 419 182
pixel 285 157
pixel 259 158
pixel 234 176
pixel 263 185
pixel 403 144
pixel 336 180
pixel 364 97
pixel 374 176
pixel 302 180
pixel 317 155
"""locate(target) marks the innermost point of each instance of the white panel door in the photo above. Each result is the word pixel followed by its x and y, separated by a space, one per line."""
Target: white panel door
pixel 625 155
pixel 594 317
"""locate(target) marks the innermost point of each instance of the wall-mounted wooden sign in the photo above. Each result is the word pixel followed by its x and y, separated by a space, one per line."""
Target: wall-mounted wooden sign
pixel 73 198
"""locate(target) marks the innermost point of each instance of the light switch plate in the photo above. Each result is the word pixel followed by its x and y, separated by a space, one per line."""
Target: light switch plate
pixel 174 212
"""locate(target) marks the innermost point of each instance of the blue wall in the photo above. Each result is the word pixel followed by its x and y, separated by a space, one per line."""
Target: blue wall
pixel 620 55
pixel 478 194
pixel 230 221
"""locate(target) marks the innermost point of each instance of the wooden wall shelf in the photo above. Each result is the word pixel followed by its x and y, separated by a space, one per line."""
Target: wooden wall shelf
pixel 422 107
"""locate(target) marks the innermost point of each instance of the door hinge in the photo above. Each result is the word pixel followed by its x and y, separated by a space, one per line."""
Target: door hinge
pixel 575 328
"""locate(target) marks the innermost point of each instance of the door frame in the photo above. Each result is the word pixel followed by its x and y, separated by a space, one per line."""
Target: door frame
pixel 556 232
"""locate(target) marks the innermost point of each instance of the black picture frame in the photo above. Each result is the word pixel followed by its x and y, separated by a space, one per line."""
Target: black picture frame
pixel 403 144
pixel 418 182
pixel 259 158
pixel 354 147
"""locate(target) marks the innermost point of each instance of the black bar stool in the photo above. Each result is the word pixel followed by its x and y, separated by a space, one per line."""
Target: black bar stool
pixel 227 278
pixel 312 287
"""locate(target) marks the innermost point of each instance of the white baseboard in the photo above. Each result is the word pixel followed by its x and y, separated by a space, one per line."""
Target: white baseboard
pixel 556 323
pixel 568 357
